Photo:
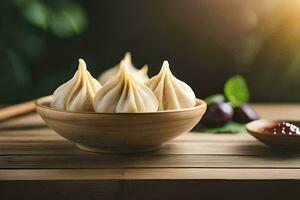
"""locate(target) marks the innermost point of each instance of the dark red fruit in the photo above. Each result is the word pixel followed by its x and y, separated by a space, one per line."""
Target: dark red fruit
pixel 244 114
pixel 217 114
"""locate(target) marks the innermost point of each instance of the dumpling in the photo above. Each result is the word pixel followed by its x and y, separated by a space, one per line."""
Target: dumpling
pixel 78 93
pixel 123 93
pixel 171 93
pixel 140 75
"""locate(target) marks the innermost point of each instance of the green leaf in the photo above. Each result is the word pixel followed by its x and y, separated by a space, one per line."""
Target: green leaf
pixel 231 127
pixel 67 20
pixel 236 90
pixel 35 13
pixel 214 98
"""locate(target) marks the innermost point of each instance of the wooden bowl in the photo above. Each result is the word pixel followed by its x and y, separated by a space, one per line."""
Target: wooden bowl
pixel 120 132
pixel 275 141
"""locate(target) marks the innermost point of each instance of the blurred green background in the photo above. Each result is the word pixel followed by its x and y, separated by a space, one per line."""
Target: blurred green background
pixel 205 42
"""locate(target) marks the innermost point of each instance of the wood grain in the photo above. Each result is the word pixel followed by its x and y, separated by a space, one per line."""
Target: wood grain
pixel 103 161
pixel 38 163
pixel 150 174
pixel 174 147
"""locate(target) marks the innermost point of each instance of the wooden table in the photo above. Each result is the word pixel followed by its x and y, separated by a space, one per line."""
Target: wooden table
pixel 36 163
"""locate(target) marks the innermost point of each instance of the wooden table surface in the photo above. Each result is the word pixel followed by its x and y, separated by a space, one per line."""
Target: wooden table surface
pixel 37 163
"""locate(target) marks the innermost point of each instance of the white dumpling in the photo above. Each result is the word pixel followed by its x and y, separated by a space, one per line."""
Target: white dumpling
pixel 140 75
pixel 171 93
pixel 78 93
pixel 124 93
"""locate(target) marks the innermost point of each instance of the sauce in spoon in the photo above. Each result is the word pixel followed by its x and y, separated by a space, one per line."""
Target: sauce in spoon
pixel 283 128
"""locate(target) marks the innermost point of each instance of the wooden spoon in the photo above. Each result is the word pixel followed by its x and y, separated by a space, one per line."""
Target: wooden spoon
pixel 275 141
pixel 17 110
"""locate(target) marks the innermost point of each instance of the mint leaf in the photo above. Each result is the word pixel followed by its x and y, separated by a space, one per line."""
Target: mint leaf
pixel 214 98
pixel 67 20
pixel 236 90
pixel 35 12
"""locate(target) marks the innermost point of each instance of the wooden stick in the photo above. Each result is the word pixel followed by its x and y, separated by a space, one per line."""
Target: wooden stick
pixel 16 110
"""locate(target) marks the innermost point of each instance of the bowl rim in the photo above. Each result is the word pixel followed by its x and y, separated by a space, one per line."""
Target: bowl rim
pixel 40 103
pixel 250 129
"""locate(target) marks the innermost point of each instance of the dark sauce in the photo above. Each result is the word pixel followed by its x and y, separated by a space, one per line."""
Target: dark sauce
pixel 282 128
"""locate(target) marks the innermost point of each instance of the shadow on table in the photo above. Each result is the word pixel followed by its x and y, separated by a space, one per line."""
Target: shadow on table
pixel 260 149
pixel 23 127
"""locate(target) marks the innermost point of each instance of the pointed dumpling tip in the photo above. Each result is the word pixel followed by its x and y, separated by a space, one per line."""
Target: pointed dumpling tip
pixel 144 69
pixel 82 64
pixel 165 67
pixel 127 57
pixel 165 64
